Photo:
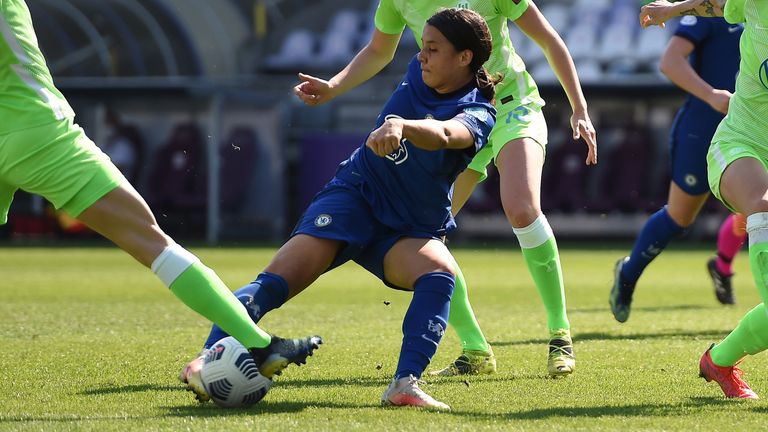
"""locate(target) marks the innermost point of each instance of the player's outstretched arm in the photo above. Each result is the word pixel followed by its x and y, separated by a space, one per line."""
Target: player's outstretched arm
pixel 675 65
pixel 427 134
pixel 368 62
pixel 659 11
pixel 536 27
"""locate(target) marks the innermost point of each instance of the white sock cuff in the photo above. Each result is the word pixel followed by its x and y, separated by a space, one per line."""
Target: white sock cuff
pixel 757 228
pixel 535 234
pixel 172 262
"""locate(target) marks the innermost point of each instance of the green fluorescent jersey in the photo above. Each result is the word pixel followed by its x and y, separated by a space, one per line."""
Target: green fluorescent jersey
pixel 747 118
pixel 392 16
pixel 27 95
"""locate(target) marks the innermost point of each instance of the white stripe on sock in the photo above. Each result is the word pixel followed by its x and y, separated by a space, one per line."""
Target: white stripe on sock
pixel 757 228
pixel 535 234
pixel 172 262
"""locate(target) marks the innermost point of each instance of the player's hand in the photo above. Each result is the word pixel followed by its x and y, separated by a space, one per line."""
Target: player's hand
pixel 719 100
pixel 582 128
pixel 313 90
pixel 386 138
pixel 655 13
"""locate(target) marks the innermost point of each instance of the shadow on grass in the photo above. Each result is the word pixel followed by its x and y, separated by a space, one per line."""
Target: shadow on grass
pixel 264 407
pixel 210 410
pixel 207 410
pixel 681 307
pixel 603 336
pixel 334 382
pixel 639 410
pixel 282 382
pixel 136 388
pixel 760 409
pixel 383 382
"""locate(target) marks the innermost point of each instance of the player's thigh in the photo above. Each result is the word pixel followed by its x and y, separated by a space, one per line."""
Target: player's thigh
pixel 302 259
pixel 336 226
pixel 519 141
pixel 738 176
pixel 59 162
pixel 123 217
pixel 520 165
pixel 744 185
pixel 463 187
pixel 410 258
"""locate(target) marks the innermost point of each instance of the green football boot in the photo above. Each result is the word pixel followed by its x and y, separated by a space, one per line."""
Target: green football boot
pixel 470 362
pixel 561 361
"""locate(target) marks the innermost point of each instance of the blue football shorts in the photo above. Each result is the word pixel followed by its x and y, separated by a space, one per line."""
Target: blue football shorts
pixel 688 158
pixel 340 212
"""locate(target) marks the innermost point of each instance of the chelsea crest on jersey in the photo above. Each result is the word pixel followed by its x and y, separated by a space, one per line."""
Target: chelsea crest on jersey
pixel 410 188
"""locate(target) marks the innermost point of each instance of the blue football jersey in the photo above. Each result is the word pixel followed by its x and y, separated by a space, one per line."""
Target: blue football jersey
pixel 716 59
pixel 410 190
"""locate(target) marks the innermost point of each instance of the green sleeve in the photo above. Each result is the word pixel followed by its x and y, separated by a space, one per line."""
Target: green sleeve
pixel 734 11
pixel 511 9
pixel 388 19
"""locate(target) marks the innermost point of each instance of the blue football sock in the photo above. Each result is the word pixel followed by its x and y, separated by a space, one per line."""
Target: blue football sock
pixel 653 238
pixel 269 291
pixel 424 322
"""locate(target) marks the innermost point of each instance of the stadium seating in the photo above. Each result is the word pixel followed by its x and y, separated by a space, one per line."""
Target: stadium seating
pixel 299 46
pixel 170 38
pixel 228 48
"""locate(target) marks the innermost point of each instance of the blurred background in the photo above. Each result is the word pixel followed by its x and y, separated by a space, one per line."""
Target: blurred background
pixel 192 100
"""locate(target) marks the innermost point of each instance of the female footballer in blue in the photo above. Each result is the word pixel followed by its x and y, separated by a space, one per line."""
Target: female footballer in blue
pixel 390 203
pixel 517 147
pixel 702 58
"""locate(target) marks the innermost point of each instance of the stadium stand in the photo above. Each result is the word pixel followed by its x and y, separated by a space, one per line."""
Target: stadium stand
pixel 157 58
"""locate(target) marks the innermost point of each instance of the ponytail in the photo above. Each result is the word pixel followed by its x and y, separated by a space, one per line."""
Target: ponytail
pixel 487 83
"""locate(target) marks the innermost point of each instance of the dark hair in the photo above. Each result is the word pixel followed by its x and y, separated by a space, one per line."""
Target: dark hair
pixel 466 30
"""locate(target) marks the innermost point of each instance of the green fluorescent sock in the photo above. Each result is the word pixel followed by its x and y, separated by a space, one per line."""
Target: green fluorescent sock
pixel 543 263
pixel 204 292
pixel 749 337
pixel 462 318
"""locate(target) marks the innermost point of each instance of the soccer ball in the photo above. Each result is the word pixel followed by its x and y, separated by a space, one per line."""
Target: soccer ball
pixel 231 377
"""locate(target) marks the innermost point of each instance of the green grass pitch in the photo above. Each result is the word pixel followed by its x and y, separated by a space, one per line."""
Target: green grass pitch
pixel 91 341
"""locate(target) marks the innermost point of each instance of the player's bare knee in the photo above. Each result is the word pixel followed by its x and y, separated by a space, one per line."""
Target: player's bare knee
pixel 440 265
pixel 521 214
